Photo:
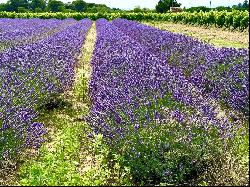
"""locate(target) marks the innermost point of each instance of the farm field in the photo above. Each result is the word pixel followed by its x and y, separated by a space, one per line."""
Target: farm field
pixel 216 36
pixel 122 103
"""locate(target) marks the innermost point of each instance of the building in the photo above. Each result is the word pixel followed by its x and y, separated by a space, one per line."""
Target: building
pixel 176 9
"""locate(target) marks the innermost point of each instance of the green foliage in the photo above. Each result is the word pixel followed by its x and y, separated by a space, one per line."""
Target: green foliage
pixel 243 6
pixel 222 8
pixel 179 153
pixel 138 9
pixel 14 4
pixel 2 7
pixel 164 5
pixel 207 9
pixel 232 167
pixel 38 10
pixel 11 141
pixel 55 6
pixel 22 9
pixel 168 151
pixel 64 162
pixel 232 20
pixel 198 9
pixel 79 5
pixel 57 166
pixel 20 99
pixel 38 5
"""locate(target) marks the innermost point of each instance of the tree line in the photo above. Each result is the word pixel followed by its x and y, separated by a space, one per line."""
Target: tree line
pixel 53 6
pixel 241 6
pixel 162 6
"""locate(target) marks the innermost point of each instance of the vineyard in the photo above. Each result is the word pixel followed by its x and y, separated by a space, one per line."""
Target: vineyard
pixel 233 20
pixel 147 107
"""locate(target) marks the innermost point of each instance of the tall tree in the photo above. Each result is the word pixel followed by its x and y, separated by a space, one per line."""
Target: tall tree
pixel 137 9
pixel 34 4
pixel 69 5
pixel 14 4
pixel 164 5
pixel 245 4
pixel 79 5
pixel 2 6
pixel 55 6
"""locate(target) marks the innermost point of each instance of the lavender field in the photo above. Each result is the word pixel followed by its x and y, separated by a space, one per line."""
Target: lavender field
pixel 120 103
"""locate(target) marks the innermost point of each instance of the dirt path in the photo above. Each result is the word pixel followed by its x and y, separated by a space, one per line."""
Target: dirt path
pixel 65 154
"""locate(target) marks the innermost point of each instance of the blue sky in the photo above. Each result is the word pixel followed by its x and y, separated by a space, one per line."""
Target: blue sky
pixel 130 4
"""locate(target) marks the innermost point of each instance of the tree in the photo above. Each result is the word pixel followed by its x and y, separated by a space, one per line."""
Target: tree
pixel 22 9
pixel 164 5
pixel 55 6
pixel 35 4
pixel 14 4
pixel 69 5
pixel 79 5
pixel 92 7
pixel 38 10
pixel 137 9
pixel 234 7
pixel 221 8
pixel 2 6
pixel 245 4
pixel 242 6
pixel 6 7
pixel 198 9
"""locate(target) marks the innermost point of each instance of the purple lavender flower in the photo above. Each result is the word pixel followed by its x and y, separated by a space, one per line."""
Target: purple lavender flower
pixel 32 73
pixel 221 73
pixel 132 76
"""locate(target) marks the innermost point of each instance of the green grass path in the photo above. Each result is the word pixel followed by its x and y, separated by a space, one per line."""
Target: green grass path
pixel 69 157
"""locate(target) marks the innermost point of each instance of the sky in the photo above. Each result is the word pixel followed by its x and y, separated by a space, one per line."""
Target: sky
pixel 131 4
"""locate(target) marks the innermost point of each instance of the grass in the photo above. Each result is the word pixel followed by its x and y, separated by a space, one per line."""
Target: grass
pixel 231 168
pixel 69 158
pixel 216 36
pixel 58 160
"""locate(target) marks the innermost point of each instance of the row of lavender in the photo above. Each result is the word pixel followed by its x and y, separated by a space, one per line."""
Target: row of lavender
pixel 128 78
pixel 162 124
pixel 222 73
pixel 14 32
pixel 30 75
pixel 147 109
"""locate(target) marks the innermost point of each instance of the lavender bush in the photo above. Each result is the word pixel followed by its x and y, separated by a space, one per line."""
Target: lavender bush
pixel 15 32
pixel 221 73
pixel 161 124
pixel 30 75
